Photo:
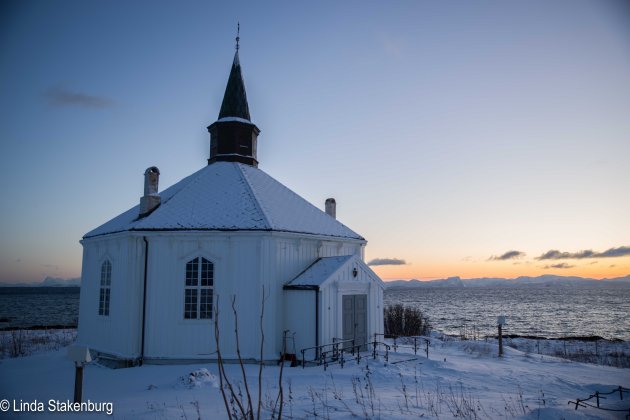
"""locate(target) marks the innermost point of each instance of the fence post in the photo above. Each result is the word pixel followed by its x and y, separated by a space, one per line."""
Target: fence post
pixel 374 348
pixel 427 343
pixel 500 342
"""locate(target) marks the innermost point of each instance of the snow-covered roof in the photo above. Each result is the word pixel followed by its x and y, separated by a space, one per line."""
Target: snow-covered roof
pixel 229 196
pixel 320 271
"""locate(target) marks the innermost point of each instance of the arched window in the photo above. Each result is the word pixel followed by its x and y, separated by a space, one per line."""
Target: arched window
pixel 106 284
pixel 198 289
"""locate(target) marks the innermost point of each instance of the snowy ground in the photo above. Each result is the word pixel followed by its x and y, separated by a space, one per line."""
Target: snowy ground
pixel 461 379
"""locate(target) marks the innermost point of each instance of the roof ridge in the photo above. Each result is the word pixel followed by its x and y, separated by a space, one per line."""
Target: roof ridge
pixel 343 261
pixel 254 195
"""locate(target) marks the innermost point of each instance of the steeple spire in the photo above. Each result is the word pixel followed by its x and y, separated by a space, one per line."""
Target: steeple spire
pixel 233 137
pixel 235 99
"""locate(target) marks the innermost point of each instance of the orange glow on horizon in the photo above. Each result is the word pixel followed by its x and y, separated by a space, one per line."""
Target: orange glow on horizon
pixel 425 270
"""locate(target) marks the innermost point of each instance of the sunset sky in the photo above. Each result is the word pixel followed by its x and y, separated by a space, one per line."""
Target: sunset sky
pixel 460 138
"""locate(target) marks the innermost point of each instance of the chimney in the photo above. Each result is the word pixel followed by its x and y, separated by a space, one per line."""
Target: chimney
pixel 150 200
pixel 331 207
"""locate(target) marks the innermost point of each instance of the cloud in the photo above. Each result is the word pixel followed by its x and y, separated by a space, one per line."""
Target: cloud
pixel 387 261
pixel 554 254
pixel 63 97
pixel 560 265
pixel 622 251
pixel 510 255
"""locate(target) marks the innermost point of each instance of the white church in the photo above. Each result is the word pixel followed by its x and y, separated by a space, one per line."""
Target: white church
pixel 153 276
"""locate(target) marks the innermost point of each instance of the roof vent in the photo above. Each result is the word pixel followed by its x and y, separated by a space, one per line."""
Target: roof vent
pixel 150 200
pixel 331 207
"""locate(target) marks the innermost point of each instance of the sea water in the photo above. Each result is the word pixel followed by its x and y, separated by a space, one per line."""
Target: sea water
pixel 538 310
pixel 544 311
pixel 24 307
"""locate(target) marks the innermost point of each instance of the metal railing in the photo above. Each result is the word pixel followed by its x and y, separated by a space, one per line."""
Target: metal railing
pixel 328 353
pixel 417 341
pixel 341 351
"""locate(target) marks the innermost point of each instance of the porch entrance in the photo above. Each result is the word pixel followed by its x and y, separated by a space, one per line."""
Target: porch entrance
pixel 355 319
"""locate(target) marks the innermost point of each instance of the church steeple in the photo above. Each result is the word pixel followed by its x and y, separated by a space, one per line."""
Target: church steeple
pixel 235 99
pixel 233 136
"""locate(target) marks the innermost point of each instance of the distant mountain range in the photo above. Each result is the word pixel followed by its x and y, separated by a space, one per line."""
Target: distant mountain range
pixel 545 280
pixel 47 282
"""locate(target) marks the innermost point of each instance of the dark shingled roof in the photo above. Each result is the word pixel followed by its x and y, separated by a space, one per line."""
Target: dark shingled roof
pixel 235 99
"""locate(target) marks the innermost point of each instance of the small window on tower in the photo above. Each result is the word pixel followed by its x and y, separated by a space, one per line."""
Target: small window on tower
pixel 245 147
pixel 198 289
pixel 105 291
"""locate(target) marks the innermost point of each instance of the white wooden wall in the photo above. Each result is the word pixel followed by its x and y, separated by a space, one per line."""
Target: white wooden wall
pixel 244 262
pixel 119 333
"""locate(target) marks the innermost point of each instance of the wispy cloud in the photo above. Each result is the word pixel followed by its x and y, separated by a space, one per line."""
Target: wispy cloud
pixel 510 255
pixel 554 254
pixel 560 265
pixel 387 261
pixel 622 251
pixel 59 96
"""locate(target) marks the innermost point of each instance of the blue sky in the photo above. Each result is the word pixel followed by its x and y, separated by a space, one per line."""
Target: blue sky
pixel 448 132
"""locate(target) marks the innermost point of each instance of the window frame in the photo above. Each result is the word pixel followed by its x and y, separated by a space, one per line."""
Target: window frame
pixel 105 288
pixel 198 289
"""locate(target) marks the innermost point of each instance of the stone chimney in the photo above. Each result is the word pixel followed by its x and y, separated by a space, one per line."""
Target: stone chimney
pixel 151 200
pixel 331 207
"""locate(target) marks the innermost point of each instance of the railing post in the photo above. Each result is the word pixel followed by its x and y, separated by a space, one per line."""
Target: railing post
pixel 427 343
pixel 597 398
pixel 303 360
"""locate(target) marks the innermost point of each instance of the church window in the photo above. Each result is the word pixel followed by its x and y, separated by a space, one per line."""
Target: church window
pixel 198 289
pixel 106 284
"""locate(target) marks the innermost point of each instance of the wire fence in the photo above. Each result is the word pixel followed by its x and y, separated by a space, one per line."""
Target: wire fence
pixel 594 350
pixel 595 401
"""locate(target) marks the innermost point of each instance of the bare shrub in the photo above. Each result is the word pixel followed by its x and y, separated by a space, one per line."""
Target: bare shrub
pixel 405 321
pixel 18 343
pixel 238 399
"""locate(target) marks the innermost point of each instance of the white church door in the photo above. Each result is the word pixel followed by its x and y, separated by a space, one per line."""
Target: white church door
pixel 355 319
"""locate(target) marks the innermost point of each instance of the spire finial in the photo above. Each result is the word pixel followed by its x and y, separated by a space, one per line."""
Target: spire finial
pixel 238 32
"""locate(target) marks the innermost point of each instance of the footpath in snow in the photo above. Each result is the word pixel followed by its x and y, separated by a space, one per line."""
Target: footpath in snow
pixel 461 379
